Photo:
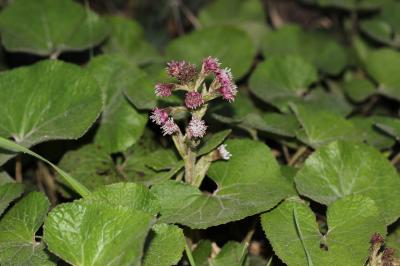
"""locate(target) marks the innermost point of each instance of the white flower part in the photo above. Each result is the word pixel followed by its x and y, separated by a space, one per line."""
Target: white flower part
pixel 197 127
pixel 169 127
pixel 223 152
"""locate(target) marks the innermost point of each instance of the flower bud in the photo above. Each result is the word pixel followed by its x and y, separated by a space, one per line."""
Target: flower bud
pixel 193 99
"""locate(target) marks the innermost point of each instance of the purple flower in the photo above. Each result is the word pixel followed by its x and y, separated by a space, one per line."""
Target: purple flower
pixel 164 90
pixel 169 127
pixel 193 99
pixel 211 64
pixel 159 116
pixel 197 128
pixel 181 70
pixel 223 152
pixel 227 88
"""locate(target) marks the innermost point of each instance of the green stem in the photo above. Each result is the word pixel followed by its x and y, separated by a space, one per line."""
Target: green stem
pixel 190 162
pixel 189 254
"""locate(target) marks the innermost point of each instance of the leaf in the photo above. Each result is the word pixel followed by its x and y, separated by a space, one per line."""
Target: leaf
pixel 318 48
pixel 195 46
pixel 232 253
pixel 46 27
pixel 93 233
pixel 359 89
pixel 383 66
pixel 244 187
pixel 281 79
pixel 201 252
pixel 351 223
pixel 121 124
pixel 18 227
pixel 391 127
pixel 163 159
pixel 8 145
pixel 90 165
pixel 46 101
pixel 211 142
pixel 321 127
pixel 371 134
pixel 127 39
pixel 344 168
pixel 166 246
pixel 8 193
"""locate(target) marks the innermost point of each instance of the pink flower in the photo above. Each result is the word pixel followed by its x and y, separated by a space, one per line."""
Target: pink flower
pixel 223 152
pixel 159 116
pixel 169 127
pixel 197 128
pixel 182 70
pixel 211 64
pixel 164 90
pixel 227 88
pixel 193 99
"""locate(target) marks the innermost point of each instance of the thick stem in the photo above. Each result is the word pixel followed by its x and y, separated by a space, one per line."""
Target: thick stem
pixel 18 169
pixel 190 162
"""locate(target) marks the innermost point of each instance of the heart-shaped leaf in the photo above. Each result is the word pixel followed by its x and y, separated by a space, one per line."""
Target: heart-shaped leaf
pixel 45 101
pixel 214 41
pixel 344 168
pixel 294 235
pixel 279 80
pixel 121 124
pixel 83 233
pixel 18 227
pixel 8 193
pixel 47 27
pixel 244 187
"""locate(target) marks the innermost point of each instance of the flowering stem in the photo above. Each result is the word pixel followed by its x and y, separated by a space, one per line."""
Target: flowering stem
pixel 190 162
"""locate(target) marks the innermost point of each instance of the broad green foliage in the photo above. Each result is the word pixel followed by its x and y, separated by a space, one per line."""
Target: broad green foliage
pixel 232 253
pixel 294 235
pixel 41 103
pixel 246 14
pixel 213 141
pixel 126 38
pixel 18 245
pixel 359 89
pixel 391 126
pixel 383 65
pixel 166 246
pixel 121 124
pixel 202 252
pixel 48 27
pixel 244 187
pixel 344 168
pixel 371 133
pixel 231 45
pixel 279 80
pixel 8 193
pixel 322 127
pixel 318 48
pixel 83 233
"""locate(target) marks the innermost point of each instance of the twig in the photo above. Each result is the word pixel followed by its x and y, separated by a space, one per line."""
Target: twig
pixel 395 159
pixel 286 153
pixel 191 17
pixel 299 153
pixel 48 180
pixel 18 169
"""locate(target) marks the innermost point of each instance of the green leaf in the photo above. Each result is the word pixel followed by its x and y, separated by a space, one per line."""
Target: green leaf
pixel 46 101
pixel 121 124
pixel 72 182
pixel 127 39
pixel 202 252
pixel 195 46
pixel 232 253
pixel 211 142
pixel 359 89
pixel 383 66
pixel 8 193
pixel 139 90
pixel 293 232
pixel 93 233
pixel 244 187
pixel 344 168
pixel 281 79
pixel 90 165
pixel 322 127
pixel 18 227
pixel 47 27
pixel 391 127
pixel 371 134
pixel 318 48
pixel 166 246
pixel 162 159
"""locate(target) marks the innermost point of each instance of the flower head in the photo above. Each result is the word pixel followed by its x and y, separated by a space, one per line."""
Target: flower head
pixel 181 70
pixel 227 88
pixel 169 127
pixel 193 99
pixel 164 90
pixel 159 116
pixel 223 152
pixel 197 128
pixel 211 64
